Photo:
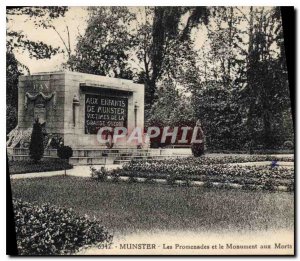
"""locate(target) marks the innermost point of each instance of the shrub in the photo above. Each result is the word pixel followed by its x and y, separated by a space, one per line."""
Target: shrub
pixel 187 181
pixel 197 149
pixel 100 174
pixel 269 185
pixel 208 184
pixel 49 230
pixel 64 152
pixel 171 180
pixel 115 176
pixel 149 179
pixel 249 187
pixel 36 147
pixel 225 186
pixel 291 186
pixel 289 145
pixel 132 178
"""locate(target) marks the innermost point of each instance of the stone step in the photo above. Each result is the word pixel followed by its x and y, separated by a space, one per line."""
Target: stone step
pixel 91 161
pixel 108 154
pixel 23 157
pixel 99 152
pixel 102 156
pixel 149 157
pixel 86 152
pixel 22 152
pixel 121 160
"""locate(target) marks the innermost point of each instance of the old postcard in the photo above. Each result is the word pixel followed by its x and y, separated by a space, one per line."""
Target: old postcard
pixel 150 130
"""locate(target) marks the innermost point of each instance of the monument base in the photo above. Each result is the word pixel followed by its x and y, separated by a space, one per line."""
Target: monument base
pixel 106 156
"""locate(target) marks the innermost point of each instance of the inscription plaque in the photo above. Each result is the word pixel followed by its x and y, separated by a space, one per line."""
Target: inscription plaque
pixel 104 111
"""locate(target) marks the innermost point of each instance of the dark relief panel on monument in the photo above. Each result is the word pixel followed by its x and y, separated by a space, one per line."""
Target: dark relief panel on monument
pixel 104 111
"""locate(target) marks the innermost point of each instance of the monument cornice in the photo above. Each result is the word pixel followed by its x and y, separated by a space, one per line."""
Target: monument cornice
pixel 94 87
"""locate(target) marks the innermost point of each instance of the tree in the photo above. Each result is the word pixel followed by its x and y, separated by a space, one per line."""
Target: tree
pixel 113 33
pixel 266 93
pixel 218 109
pixel 163 33
pixel 170 109
pixel 65 152
pixel 36 146
pixel 244 57
pixel 227 46
pixel 17 41
pixel 104 48
pixel 198 148
pixel 12 74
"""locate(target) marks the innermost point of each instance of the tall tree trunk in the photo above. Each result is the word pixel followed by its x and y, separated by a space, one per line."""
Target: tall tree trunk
pixel 230 44
pixel 250 80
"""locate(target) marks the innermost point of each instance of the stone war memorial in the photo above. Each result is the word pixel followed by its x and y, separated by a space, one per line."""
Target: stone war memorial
pixel 71 107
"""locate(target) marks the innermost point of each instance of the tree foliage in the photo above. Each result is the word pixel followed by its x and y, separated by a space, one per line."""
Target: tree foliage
pixel 166 35
pixel 12 74
pixel 65 152
pixel 36 146
pixel 17 41
pixel 104 48
pixel 236 82
pixel 244 64
pixel 266 93
pixel 171 108
pixel 221 117
pixel 113 33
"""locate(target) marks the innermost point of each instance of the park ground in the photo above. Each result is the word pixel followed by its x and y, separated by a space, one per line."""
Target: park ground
pixel 163 213
pixel 128 208
pixel 143 213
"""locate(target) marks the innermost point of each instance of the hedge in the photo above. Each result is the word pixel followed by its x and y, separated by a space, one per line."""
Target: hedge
pixel 49 230
pixel 46 164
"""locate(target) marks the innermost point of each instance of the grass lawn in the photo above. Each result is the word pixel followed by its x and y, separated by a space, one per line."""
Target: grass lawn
pixel 46 164
pixel 125 208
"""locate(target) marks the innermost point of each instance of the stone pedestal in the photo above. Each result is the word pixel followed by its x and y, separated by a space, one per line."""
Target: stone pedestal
pixel 73 105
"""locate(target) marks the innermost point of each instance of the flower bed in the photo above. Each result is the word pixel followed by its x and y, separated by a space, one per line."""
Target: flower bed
pixel 207 160
pixel 48 230
pixel 140 168
pixel 208 170
pixel 222 173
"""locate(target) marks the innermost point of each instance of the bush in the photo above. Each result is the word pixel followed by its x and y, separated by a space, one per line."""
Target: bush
pixel 132 178
pixel 149 179
pixel 100 174
pixel 249 187
pixel 208 184
pixel 11 118
pixel 115 177
pixel 269 185
pixel 289 145
pixel 171 180
pixel 36 147
pixel 49 230
pixel 197 149
pixel 291 186
pixel 64 152
pixel 186 181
